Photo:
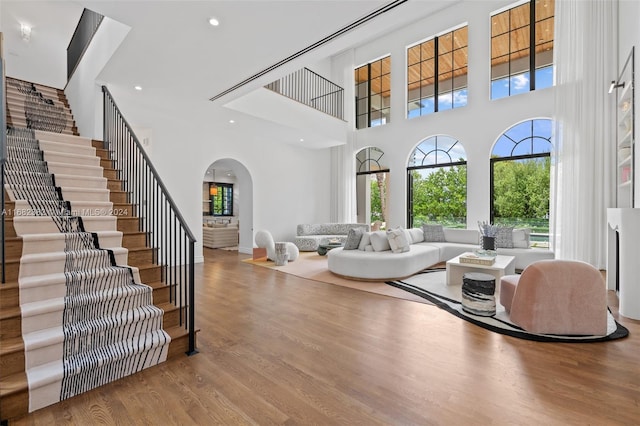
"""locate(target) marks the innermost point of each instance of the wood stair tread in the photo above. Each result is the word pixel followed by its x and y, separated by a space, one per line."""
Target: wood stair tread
pixel 10 312
pixel 13 384
pixel 11 345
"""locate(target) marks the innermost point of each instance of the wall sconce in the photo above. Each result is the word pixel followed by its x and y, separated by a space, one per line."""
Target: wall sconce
pixel 25 32
pixel 615 85
pixel 213 191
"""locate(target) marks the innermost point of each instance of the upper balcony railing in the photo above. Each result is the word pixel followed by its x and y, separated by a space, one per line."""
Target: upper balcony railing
pixel 311 89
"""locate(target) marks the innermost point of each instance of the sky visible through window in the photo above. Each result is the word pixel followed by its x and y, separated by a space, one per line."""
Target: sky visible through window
pixel 520 83
pixel 535 136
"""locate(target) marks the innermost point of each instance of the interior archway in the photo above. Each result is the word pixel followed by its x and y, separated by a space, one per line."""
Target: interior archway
pixel 227 171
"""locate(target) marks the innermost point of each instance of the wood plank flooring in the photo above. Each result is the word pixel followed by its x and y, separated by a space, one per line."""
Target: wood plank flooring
pixel 277 349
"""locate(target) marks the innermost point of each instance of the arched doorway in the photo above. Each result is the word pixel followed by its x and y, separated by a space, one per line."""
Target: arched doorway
pixel 227 200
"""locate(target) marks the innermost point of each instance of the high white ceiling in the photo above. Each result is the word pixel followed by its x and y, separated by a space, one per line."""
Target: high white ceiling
pixel 172 51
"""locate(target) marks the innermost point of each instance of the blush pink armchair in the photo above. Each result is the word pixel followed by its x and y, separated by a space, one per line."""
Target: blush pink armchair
pixel 557 297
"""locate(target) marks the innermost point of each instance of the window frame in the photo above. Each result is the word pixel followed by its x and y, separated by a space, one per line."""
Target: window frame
pixel 437 54
pixel 534 41
pixel 385 112
pixel 434 165
pixel 530 138
pixel 224 196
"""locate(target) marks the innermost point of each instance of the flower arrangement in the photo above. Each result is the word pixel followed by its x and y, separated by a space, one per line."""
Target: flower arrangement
pixel 488 230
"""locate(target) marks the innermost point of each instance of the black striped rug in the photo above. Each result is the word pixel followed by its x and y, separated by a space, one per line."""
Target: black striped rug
pixel 431 285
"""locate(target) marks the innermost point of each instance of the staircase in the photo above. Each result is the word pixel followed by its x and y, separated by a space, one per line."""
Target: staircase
pixel 85 300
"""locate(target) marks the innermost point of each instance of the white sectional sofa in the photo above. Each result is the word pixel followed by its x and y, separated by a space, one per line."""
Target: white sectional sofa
pixel 374 260
pixel 309 236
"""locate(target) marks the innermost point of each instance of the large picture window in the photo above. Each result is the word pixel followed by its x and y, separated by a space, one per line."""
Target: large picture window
pixel 522 41
pixel 520 178
pixel 221 195
pixel 437 66
pixel 437 183
pixel 373 93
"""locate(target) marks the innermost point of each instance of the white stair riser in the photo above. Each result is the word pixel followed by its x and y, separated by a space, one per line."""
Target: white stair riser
pixel 66 147
pixel 74 181
pixel 57 137
pixel 37 289
pixel 46 243
pixel 82 194
pixel 77 170
pixel 33 265
pixel 44 225
pixel 61 157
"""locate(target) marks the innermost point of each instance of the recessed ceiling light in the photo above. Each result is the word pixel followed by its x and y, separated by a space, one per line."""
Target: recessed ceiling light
pixel 214 22
pixel 231 121
pixel 301 140
pixel 138 87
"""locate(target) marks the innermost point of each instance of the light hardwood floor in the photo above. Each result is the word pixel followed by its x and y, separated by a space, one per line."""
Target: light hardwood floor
pixel 277 349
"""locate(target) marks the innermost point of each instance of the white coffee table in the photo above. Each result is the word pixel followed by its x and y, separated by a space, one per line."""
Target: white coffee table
pixel 503 265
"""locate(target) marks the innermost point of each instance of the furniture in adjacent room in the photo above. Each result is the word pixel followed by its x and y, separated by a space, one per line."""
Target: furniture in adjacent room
pixel 217 235
pixel 557 297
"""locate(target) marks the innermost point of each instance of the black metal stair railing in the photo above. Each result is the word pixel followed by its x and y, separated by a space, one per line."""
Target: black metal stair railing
pixel 167 231
pixel 311 89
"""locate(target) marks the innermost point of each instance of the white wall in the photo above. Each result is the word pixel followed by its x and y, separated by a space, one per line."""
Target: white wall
pixel 289 182
pixel 476 125
pixel 83 91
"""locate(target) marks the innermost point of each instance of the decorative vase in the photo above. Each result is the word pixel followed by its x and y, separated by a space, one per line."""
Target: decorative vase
pixel 488 243
pixel 281 257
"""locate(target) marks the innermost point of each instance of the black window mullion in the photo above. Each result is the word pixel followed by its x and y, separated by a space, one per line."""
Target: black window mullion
pixel 369 95
pixel 437 74
pixel 532 46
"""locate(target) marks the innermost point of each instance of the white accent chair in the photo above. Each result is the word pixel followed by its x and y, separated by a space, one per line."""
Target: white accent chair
pixel 264 239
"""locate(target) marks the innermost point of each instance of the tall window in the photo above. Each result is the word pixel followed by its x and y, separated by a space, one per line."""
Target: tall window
pixel 522 41
pixel 437 183
pixel 438 65
pixel 372 183
pixel 520 178
pixel 373 93
pixel 221 195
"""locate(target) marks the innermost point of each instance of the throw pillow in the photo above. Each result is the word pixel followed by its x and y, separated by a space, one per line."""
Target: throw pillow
pixel 398 240
pixel 521 238
pixel 504 237
pixel 417 236
pixel 365 241
pixel 379 241
pixel 433 233
pixel 353 239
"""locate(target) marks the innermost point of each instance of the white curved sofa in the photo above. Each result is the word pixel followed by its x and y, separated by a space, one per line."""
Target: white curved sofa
pixel 383 264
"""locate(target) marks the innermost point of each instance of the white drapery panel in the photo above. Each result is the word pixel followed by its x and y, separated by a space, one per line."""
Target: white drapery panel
pixel 343 184
pixel 585 62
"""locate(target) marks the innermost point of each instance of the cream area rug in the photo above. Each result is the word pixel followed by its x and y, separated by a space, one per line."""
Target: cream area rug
pixel 312 266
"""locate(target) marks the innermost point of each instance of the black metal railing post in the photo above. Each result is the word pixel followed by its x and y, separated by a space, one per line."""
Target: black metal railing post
pixel 3 156
pixel 311 89
pixel 166 230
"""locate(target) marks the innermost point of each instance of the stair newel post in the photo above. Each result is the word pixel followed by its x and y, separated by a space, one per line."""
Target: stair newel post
pixel 192 300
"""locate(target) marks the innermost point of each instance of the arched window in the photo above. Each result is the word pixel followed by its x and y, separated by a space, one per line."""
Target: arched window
pixel 437 183
pixel 520 178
